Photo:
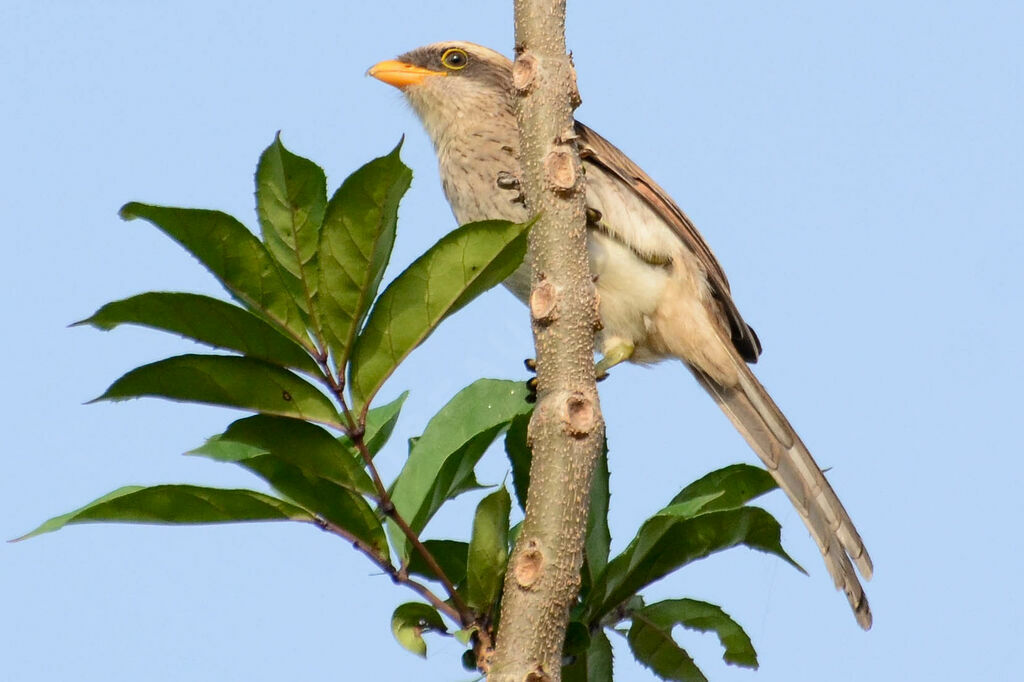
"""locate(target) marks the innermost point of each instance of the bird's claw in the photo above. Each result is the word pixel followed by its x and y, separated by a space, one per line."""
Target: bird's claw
pixel 531 390
pixel 507 180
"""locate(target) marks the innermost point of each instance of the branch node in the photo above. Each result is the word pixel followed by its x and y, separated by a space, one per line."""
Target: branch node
pixel 579 416
pixel 544 303
pixel 524 72
pixel 566 136
pixel 529 566
pixel 483 649
pixel 560 171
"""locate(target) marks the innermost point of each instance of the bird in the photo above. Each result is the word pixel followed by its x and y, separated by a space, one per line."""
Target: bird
pixel 661 291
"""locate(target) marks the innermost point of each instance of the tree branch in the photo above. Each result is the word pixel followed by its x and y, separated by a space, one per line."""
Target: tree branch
pixel 567 429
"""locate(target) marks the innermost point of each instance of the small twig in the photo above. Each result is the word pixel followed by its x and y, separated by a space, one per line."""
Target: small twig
pixel 336 386
pixel 356 430
pixel 388 507
pixel 385 565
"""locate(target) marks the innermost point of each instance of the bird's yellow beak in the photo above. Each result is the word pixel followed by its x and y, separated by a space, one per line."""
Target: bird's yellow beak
pixel 400 74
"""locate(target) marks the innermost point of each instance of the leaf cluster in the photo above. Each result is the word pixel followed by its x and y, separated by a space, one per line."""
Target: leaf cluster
pixel 307 345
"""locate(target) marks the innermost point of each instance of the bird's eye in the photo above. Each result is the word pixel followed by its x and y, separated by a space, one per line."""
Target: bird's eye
pixel 455 59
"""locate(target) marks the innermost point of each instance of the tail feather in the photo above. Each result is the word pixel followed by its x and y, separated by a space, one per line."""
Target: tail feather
pixel 765 428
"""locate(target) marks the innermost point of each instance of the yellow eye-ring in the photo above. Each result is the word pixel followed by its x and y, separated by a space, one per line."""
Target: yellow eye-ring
pixel 455 59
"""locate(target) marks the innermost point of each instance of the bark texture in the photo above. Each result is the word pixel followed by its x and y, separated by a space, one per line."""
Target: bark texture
pixel 567 429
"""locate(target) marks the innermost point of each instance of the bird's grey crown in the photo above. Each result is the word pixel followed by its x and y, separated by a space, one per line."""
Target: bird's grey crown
pixel 483 65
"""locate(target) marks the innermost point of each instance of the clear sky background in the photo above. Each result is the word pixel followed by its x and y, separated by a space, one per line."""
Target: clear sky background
pixel 856 166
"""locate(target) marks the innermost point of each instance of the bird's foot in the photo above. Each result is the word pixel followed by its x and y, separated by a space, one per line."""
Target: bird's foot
pixel 531 383
pixel 509 181
pixel 613 355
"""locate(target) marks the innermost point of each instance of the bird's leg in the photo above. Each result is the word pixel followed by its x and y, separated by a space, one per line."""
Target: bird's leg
pixel 614 354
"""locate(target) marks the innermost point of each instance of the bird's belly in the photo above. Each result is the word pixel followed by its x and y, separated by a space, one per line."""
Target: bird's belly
pixel 635 293
pixel 629 290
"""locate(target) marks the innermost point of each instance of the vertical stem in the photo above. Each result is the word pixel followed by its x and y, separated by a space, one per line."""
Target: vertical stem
pixel 567 429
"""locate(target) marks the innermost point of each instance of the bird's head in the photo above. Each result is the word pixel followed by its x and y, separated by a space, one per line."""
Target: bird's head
pixel 446 82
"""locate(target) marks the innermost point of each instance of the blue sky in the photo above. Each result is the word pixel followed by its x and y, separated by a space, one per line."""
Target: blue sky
pixel 857 168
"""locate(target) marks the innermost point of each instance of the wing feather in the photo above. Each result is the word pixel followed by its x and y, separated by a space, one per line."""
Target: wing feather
pixel 599 152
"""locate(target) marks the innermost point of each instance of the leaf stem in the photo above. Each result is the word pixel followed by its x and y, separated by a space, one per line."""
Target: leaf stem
pixel 397 576
pixel 356 430
pixel 388 507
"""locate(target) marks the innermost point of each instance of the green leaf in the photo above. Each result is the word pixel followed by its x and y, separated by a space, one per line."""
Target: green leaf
pixel 465 636
pixel 245 383
pixel 206 320
pixel 691 507
pixel 221 450
pixel 459 267
pixel 513 533
pixel 465 475
pixel 736 484
pixel 519 456
pixel 410 621
pixel 650 638
pixel 577 639
pixel 235 257
pixel 291 197
pixel 488 550
pixel 177 504
pixel 453 479
pixel 454 440
pixel 598 540
pixel 380 423
pixel 593 666
pixel 298 443
pixel 700 616
pixel 355 246
pixel 667 542
pixel 451 555
pixel 338 505
pixel 305 463
pixel 655 648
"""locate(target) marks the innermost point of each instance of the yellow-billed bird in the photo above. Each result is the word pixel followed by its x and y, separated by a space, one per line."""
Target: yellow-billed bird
pixel 661 291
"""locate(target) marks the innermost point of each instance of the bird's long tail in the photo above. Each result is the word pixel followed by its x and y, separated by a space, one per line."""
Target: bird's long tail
pixel 765 428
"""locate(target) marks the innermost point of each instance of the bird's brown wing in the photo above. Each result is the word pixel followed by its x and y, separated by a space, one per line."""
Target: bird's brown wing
pixel 597 151
pixel 746 403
